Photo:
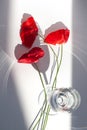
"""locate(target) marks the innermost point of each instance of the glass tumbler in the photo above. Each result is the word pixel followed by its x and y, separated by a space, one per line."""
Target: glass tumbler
pixel 65 99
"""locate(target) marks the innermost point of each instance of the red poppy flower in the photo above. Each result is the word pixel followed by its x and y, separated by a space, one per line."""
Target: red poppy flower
pixel 57 37
pixel 28 32
pixel 32 56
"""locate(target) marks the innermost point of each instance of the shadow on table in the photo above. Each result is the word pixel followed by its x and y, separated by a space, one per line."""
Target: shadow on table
pixel 11 116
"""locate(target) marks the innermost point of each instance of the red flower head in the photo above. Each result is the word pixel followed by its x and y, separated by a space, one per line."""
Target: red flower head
pixel 57 37
pixel 32 56
pixel 28 32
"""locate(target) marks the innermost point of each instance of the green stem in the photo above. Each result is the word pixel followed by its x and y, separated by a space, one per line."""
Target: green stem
pixel 56 59
pixel 41 109
pixel 53 51
pixel 43 116
pixel 38 121
pixel 58 67
pixel 46 118
pixel 47 108
pixel 43 120
pixel 41 81
pixel 35 118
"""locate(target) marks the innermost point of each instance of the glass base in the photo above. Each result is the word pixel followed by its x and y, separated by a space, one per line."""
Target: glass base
pixel 65 99
pixel 62 99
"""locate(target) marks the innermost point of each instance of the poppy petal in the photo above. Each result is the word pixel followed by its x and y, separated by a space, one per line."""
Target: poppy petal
pixel 32 56
pixel 57 37
pixel 28 32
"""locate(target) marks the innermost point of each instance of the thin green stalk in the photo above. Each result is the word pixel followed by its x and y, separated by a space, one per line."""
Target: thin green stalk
pixel 41 81
pixel 46 118
pixel 53 51
pixel 58 67
pixel 38 121
pixel 35 118
pixel 56 60
pixel 43 120
pixel 41 109
pixel 54 82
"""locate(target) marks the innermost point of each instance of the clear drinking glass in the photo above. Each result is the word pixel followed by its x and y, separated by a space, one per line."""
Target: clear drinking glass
pixel 65 99
pixel 61 99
